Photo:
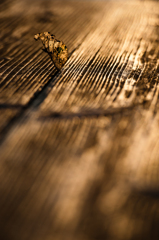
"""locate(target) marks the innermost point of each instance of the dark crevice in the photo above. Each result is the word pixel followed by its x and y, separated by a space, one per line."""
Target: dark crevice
pixel 10 106
pixel 150 192
pixel 87 113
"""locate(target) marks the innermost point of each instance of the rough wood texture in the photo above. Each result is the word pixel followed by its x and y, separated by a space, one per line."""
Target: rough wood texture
pixel 79 149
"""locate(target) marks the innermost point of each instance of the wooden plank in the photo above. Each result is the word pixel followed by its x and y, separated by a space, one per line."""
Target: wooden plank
pixel 89 175
pixel 49 177
pixel 24 69
pixel 82 161
pixel 115 64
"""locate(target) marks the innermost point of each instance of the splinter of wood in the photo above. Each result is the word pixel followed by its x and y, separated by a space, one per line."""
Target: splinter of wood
pixel 56 49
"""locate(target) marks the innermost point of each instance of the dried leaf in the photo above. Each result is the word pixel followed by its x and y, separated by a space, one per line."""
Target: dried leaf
pixel 56 49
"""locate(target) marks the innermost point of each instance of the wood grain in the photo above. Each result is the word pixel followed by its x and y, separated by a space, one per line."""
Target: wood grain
pixel 79 148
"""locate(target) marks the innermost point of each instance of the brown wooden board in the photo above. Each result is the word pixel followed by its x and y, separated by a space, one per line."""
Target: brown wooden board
pixel 80 160
pixel 24 69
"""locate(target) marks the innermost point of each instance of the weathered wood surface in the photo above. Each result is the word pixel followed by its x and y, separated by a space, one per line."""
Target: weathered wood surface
pixel 79 148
